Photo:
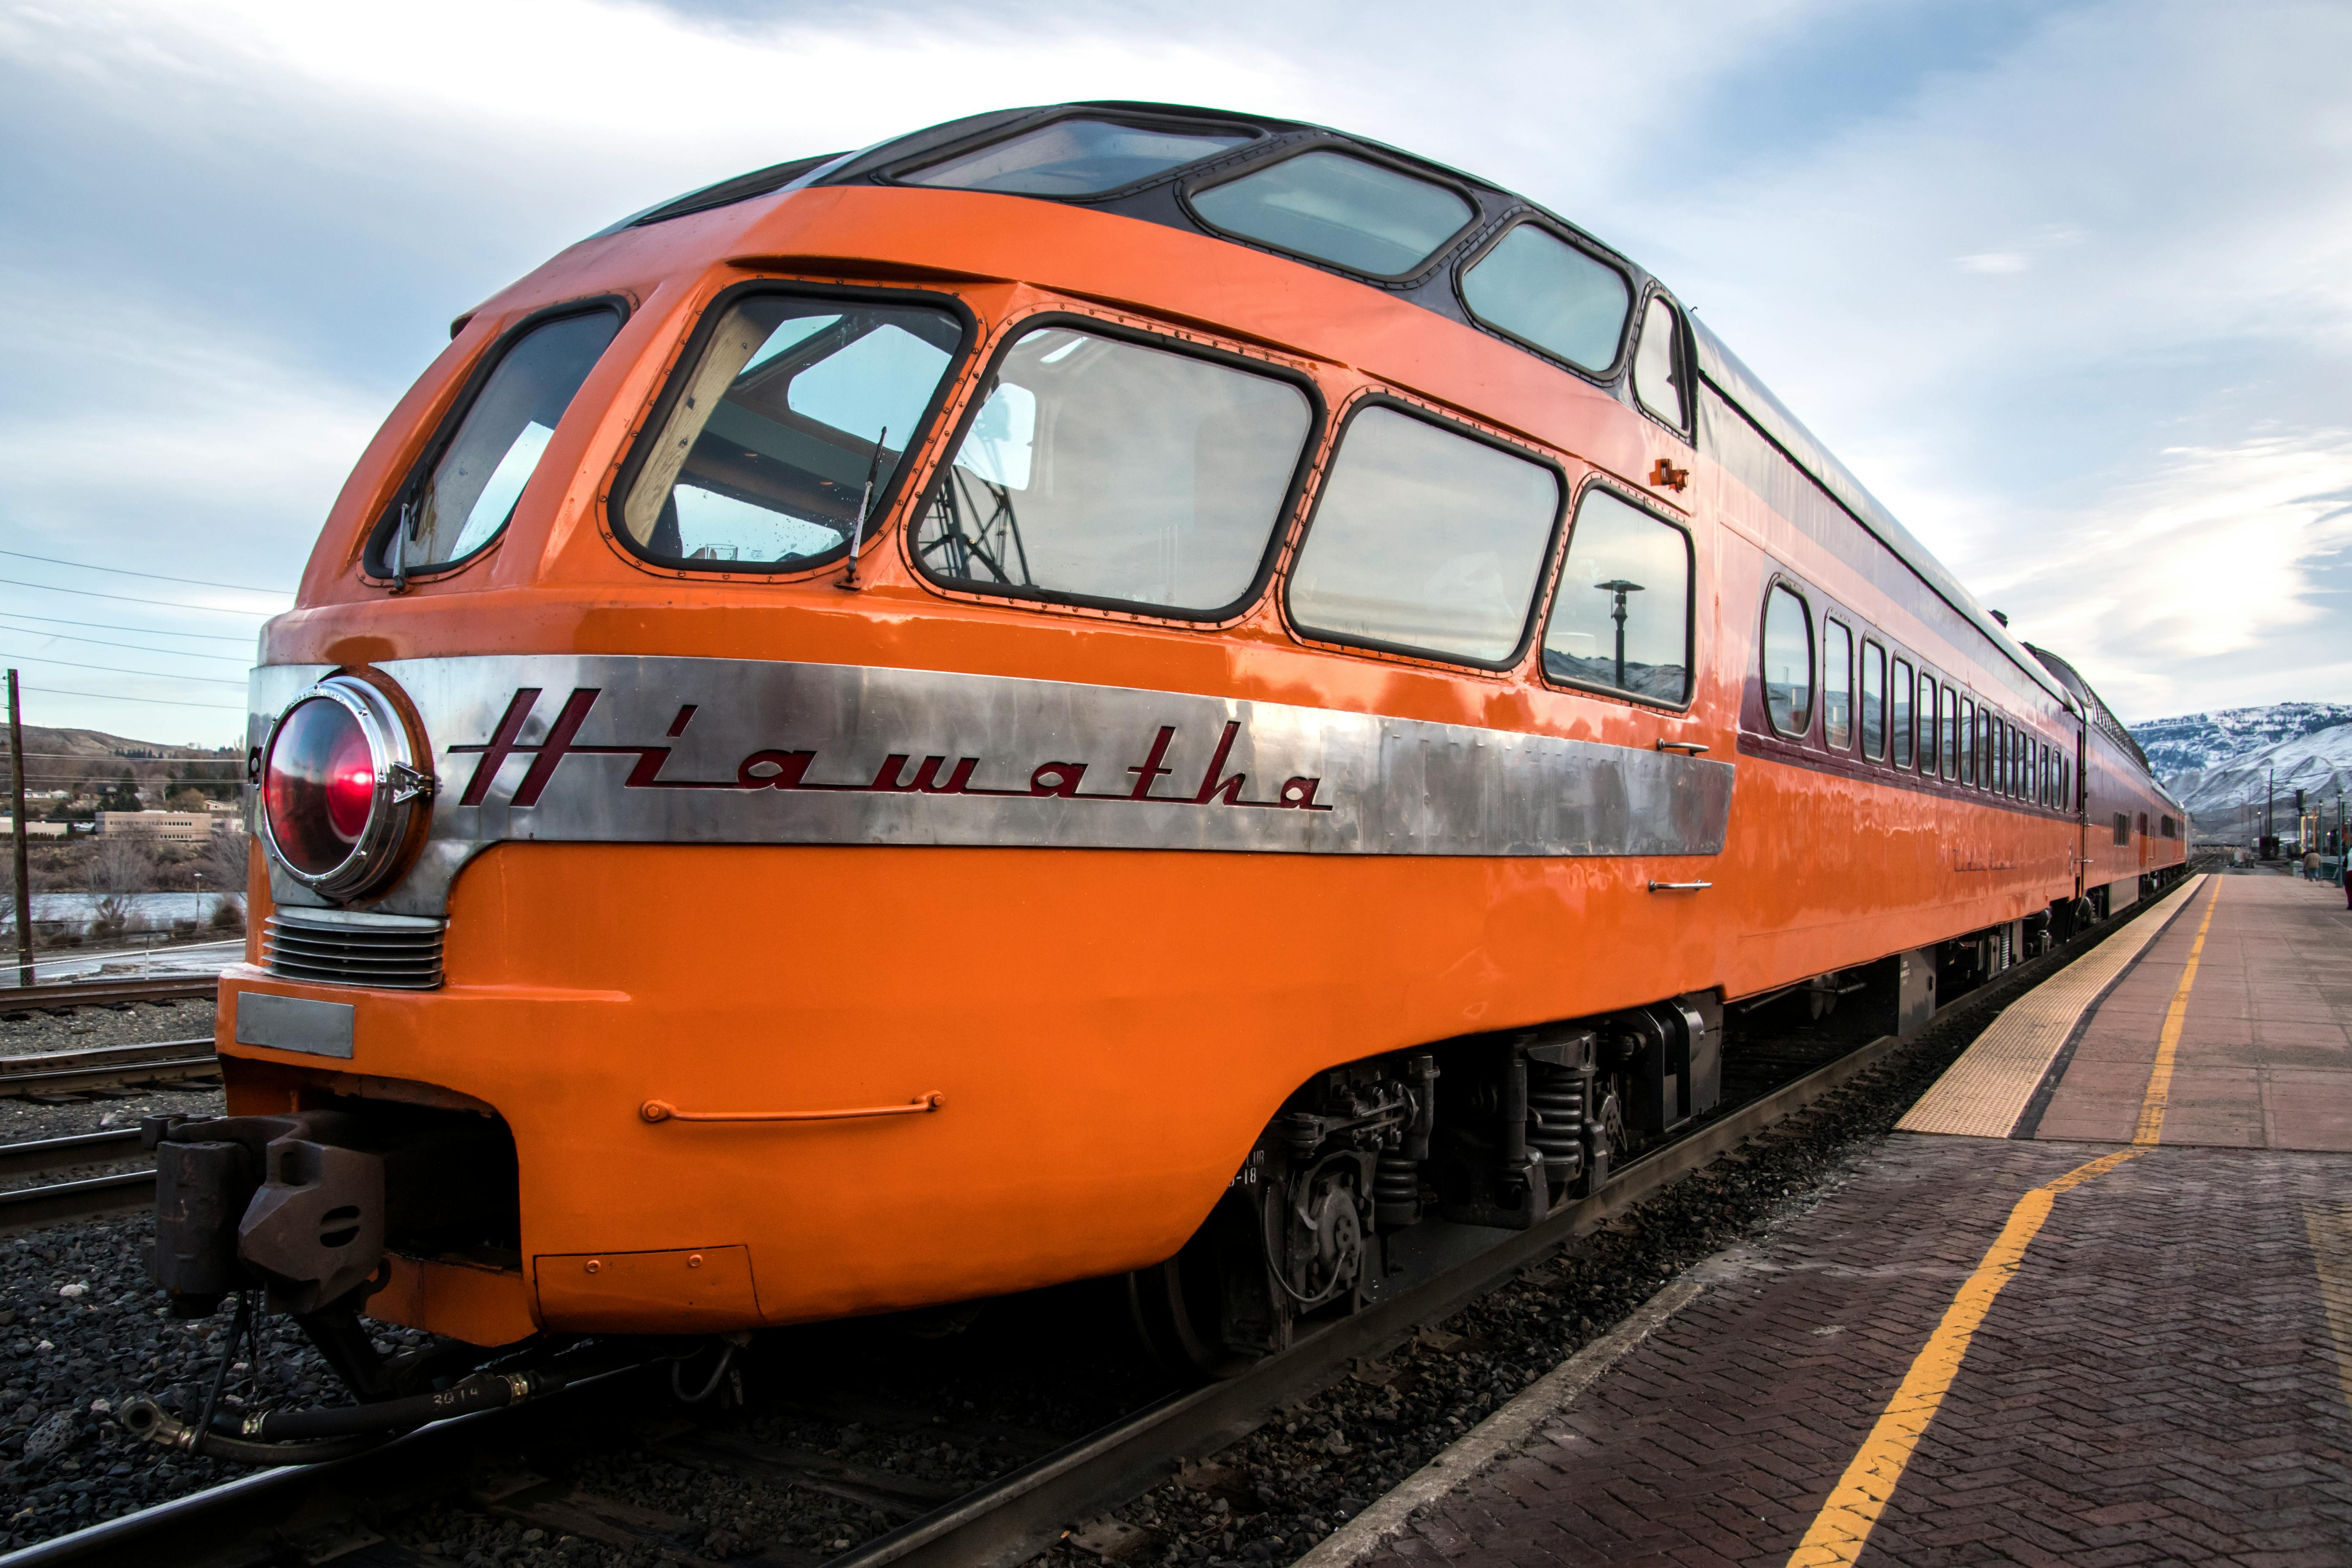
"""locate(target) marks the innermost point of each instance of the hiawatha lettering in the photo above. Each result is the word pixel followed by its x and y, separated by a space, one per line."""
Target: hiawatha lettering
pixel 779 769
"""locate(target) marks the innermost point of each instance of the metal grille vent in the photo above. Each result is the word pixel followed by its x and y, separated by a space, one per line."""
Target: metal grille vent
pixel 345 947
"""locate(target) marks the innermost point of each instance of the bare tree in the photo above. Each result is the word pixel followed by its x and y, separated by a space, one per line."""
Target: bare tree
pixel 119 865
pixel 224 868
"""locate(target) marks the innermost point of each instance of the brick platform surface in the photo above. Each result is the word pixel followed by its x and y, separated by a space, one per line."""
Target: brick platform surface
pixel 2158 1383
pixel 2265 1054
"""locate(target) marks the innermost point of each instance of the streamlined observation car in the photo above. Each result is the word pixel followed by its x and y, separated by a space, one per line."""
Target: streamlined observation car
pixel 1099 689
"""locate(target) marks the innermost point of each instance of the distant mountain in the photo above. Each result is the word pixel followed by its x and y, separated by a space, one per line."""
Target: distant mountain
pixel 2199 743
pixel 2220 763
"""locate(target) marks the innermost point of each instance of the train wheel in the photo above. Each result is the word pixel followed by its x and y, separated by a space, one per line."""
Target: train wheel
pixel 1175 1314
pixel 1186 1311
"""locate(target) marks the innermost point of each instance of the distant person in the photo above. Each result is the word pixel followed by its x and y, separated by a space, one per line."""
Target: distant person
pixel 2311 865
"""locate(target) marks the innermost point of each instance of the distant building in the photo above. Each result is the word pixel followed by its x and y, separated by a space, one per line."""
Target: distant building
pixel 164 826
pixel 34 829
pixel 225 807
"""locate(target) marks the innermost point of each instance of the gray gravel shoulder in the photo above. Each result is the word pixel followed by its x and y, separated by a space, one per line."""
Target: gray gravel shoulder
pixel 34 1032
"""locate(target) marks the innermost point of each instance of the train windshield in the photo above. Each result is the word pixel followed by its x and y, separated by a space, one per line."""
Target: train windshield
pixel 463 502
pixel 789 428
pixel 1074 158
pixel 1108 471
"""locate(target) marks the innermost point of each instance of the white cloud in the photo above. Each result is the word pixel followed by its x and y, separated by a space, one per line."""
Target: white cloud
pixel 2193 586
pixel 1996 261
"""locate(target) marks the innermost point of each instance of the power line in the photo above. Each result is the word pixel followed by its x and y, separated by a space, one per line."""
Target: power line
pixel 125 598
pixel 143 631
pixel 117 669
pixel 109 696
pixel 158 576
pixel 132 647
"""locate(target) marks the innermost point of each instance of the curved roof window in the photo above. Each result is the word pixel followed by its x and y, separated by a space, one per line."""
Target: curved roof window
pixel 1545 292
pixel 1074 158
pixel 1340 209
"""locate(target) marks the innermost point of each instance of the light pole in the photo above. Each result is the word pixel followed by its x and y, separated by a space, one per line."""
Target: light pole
pixel 1619 586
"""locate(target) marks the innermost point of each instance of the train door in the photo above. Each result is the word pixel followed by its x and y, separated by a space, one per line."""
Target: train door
pixel 2082 787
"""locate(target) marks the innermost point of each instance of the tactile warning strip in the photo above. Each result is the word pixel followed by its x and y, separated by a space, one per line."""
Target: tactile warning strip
pixel 1984 1093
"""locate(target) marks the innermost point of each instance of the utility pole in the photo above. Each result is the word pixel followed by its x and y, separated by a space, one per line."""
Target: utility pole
pixel 16 833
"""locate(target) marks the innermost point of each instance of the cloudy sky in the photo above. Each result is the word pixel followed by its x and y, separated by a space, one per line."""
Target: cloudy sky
pixel 2070 286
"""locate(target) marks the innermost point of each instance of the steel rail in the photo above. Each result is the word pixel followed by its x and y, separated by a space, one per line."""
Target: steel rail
pixel 106 993
pixel 88 1199
pixel 105 1066
pixel 44 1154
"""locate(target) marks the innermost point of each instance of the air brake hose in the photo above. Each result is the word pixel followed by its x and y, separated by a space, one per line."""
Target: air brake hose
pixel 312 1437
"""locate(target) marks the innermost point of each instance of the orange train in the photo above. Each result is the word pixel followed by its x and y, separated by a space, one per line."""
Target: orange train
pixel 1106 689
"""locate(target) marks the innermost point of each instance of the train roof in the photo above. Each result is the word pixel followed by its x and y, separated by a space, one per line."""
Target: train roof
pixel 1228 143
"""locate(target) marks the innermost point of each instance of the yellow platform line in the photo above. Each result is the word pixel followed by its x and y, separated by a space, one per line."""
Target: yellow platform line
pixel 1984 1093
pixel 2329 1225
pixel 2159 1078
pixel 1844 1525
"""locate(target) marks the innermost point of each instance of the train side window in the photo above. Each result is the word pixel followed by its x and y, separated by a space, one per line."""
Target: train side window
pixel 1874 702
pixel 459 503
pixel 1837 685
pixel 2123 828
pixel 1425 541
pixel 1657 365
pixel 1110 472
pixel 1968 742
pixel 1543 291
pixel 1621 618
pixel 1346 210
pixel 2143 824
pixel 1787 660
pixel 1074 158
pixel 1952 727
pixel 762 460
pixel 1899 713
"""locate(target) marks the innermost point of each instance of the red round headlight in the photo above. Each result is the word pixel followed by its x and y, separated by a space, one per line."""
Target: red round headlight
pixel 317 785
pixel 338 791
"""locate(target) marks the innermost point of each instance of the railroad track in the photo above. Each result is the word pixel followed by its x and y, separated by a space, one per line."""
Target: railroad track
pixel 62 1075
pixel 1003 1521
pixel 53 995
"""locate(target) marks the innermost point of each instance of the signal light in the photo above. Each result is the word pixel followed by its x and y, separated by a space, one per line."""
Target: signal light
pixel 339 792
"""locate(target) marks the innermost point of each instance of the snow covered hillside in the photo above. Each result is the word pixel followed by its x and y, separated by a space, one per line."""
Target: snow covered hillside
pixel 2199 743
pixel 2318 763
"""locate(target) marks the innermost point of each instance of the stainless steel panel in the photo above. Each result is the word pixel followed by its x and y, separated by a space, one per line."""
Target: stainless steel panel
pixel 609 749
pixel 294 1024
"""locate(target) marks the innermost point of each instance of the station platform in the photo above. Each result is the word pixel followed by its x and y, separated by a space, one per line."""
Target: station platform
pixel 2109 1324
pixel 2221 1021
